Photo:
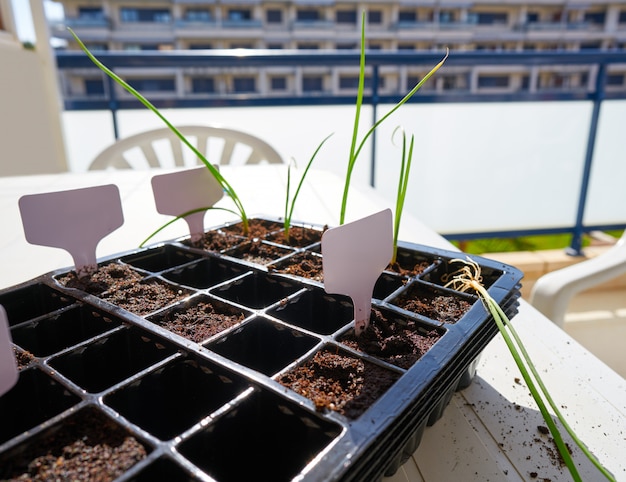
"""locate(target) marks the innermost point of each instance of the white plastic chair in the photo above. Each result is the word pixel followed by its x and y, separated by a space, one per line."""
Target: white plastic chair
pixel 228 142
pixel 553 291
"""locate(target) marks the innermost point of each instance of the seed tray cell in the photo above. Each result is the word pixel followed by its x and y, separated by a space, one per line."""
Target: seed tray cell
pixel 198 396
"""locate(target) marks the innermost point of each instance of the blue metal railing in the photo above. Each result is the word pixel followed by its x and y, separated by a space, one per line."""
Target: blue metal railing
pixel 601 60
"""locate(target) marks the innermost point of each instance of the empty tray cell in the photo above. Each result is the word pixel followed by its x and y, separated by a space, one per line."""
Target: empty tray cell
pixel 112 359
pixel 204 274
pixel 34 399
pixel 334 380
pixel 394 338
pixel 85 446
pixel 264 438
pixel 200 318
pixel 410 263
pixel 263 345
pixel 386 284
pixel 257 228
pixel 161 258
pixel 438 305
pixel 316 311
pixel 258 252
pixel 443 273
pixel 63 330
pixel 164 469
pixel 170 400
pixel 299 236
pixel 257 290
pixel 32 301
pixel 305 265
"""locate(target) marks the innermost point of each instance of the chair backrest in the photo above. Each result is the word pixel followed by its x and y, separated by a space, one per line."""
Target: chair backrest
pixel 210 141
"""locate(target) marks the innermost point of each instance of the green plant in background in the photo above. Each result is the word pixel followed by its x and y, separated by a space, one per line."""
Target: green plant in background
pixel 289 205
pixel 469 278
pixel 355 149
pixel 228 189
pixel 403 182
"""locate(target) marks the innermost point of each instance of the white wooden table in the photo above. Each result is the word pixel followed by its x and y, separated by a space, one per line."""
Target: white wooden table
pixel 489 430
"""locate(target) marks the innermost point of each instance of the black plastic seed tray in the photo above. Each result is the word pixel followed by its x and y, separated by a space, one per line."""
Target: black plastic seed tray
pixel 178 398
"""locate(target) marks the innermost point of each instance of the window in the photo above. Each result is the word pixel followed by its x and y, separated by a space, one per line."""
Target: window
pixel 405 47
pixel 239 14
pixel 241 45
pixel 307 15
pixel 195 46
pixel 274 46
pixel 622 16
pixel 346 16
pixel 490 18
pixel 153 84
pixel 158 15
pixel 352 82
pixel 375 16
pixel 200 85
pixel 493 81
pixel 273 15
pixel 90 13
pixel 149 47
pixel 595 18
pixel 278 83
pixel 346 46
pixel 532 17
pixel 446 16
pixel 244 84
pixel 96 47
pixel 312 83
pixel 197 15
pixel 407 16
pixel 94 87
pixel 590 45
pixel 615 80
pixel 308 46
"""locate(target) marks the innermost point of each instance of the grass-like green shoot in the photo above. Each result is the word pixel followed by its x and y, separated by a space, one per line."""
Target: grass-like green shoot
pixel 469 278
pixel 403 182
pixel 355 146
pixel 290 203
pixel 228 189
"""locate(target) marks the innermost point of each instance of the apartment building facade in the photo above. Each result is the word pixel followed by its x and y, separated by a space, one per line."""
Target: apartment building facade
pixel 400 25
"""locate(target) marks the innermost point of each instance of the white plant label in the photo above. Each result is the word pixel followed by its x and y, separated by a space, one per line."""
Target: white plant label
pixel 353 257
pixel 8 365
pixel 75 220
pixel 179 192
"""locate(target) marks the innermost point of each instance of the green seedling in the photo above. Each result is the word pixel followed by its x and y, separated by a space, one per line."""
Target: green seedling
pixel 228 189
pixel 468 278
pixel 403 182
pixel 355 149
pixel 289 204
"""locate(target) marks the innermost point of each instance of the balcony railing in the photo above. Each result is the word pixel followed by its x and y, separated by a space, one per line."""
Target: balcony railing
pixel 597 61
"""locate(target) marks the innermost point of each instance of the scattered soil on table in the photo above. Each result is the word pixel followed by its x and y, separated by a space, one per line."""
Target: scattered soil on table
pixel 124 287
pixel 399 341
pixel 23 358
pixel 438 307
pixel 305 265
pixel 334 381
pixel 258 252
pixel 299 236
pixel 408 270
pixel 88 447
pixel 200 322
pixel 257 228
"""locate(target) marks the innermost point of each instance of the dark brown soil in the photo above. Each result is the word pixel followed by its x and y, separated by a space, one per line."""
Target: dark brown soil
pixel 334 381
pixel 438 307
pixel 121 285
pixel 258 252
pixel 409 271
pixel 257 228
pixel 23 358
pixel 216 241
pixel 305 265
pixel 399 341
pixel 299 236
pixel 199 322
pixel 89 447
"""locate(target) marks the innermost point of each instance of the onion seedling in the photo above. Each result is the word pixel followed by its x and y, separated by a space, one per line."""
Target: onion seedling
pixel 228 189
pixel 403 182
pixel 356 150
pixel 468 278
pixel 290 205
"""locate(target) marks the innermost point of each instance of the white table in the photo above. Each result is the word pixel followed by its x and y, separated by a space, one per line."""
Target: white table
pixel 489 430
